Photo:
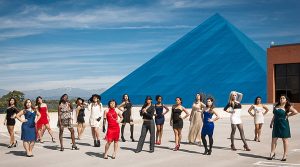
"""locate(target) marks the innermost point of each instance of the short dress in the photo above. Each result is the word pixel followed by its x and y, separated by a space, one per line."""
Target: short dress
pixel 80 117
pixel 235 117
pixel 66 115
pixel 281 127
pixel 28 128
pixel 43 119
pixel 113 129
pixel 9 113
pixel 208 127
pixel 258 115
pixel 96 113
pixel 127 118
pixel 159 118
pixel 177 121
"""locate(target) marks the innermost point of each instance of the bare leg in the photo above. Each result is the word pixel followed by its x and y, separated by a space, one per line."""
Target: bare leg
pixel 72 135
pixel 273 145
pixel 93 133
pixel 26 147
pixel 97 134
pixel 176 136
pixel 285 147
pixel 78 130
pixel 11 132
pixel 61 132
pixel 49 130
pixel 116 147
pixel 31 145
pixel 256 132
pixel 106 149
pixel 157 132
pixel 161 132
pixel 179 136
pixel 259 131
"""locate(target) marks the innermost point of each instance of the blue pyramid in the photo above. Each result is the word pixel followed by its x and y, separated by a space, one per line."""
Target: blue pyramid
pixel 214 58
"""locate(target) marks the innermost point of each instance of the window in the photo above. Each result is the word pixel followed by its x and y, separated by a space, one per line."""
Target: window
pixel 287 81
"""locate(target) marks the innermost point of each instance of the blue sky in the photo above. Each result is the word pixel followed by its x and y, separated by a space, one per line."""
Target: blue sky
pixel 93 44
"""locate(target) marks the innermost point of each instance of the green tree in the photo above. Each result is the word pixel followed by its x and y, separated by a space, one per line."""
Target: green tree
pixel 18 95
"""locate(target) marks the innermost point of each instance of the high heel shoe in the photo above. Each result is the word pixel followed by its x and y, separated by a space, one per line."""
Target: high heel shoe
pixel 15 144
pixel 246 148
pixel 209 152
pixel 123 139
pixel 62 149
pixel 271 157
pixel 233 147
pixel 283 159
pixel 205 152
pixel 10 146
pixel 176 148
pixel 53 140
pixel 74 147
pixel 132 139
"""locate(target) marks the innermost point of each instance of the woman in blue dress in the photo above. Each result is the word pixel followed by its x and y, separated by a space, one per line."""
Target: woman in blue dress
pixel 280 124
pixel 208 125
pixel 159 118
pixel 28 134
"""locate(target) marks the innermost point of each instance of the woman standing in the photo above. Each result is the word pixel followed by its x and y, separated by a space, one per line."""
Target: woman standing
pixel 80 116
pixel 159 118
pixel 208 125
pixel 126 107
pixel 177 121
pixel 113 129
pixel 259 111
pixel 43 122
pixel 96 110
pixel 147 112
pixel 280 124
pixel 65 120
pixel 10 121
pixel 234 107
pixel 28 134
pixel 195 120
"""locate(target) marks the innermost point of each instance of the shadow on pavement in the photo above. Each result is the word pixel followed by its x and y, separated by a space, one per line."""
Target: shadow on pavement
pixel 252 155
pixel 94 154
pixel 51 147
pixel 127 148
pixel 17 153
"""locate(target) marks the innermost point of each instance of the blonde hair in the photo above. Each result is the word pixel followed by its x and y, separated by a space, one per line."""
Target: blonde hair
pixel 230 96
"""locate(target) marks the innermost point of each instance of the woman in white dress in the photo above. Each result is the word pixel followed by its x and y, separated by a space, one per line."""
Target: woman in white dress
pixel 234 107
pixel 195 120
pixel 96 110
pixel 259 110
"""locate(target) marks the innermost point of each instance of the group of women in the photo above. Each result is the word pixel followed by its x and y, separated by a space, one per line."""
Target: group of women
pixel 203 115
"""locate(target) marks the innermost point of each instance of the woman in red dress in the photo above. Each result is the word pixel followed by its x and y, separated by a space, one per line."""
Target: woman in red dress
pixel 43 122
pixel 113 130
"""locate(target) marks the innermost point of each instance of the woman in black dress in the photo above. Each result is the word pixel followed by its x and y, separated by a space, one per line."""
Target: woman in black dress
pixel 147 112
pixel 177 121
pixel 80 116
pixel 10 121
pixel 126 107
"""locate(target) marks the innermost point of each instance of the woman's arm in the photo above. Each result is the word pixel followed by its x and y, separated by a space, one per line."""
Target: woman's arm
pixel 272 122
pixel 121 106
pixel 59 115
pixel 227 108
pixel 120 116
pixel 292 112
pixel 18 116
pixel 217 116
pixel 167 110
pixel 187 114
pixel 250 109
pixel 239 96
pixel 192 114
pixel 266 109
pixel 38 116
pixel 104 121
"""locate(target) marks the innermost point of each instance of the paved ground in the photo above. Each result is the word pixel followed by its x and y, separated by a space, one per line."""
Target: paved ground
pixel 47 154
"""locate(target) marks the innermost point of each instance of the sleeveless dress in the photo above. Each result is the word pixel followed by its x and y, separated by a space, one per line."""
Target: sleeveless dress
pixel 281 127
pixel 127 113
pixel 66 115
pixel 28 128
pixel 80 117
pixel 235 115
pixel 9 113
pixel 96 113
pixel 113 129
pixel 159 118
pixel 208 127
pixel 195 124
pixel 177 121
pixel 43 119
pixel 258 115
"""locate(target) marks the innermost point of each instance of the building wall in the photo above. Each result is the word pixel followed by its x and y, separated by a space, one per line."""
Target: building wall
pixel 283 54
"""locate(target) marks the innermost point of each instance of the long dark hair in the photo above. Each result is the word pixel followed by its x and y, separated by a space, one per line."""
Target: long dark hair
pixel 15 101
pixel 147 98
pixel 95 95
pixel 255 101
pixel 213 103
pixel 62 98
pixel 112 100
pixel 201 97
pixel 123 97
pixel 78 100
pixel 179 99
pixel 37 102
pixel 287 105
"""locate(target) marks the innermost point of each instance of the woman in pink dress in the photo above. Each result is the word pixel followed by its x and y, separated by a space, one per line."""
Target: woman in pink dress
pixel 43 122
pixel 113 129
